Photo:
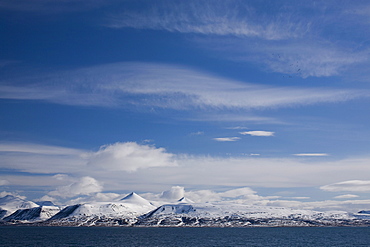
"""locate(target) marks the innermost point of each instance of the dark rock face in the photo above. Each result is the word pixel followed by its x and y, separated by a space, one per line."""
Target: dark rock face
pixel 65 212
pixel 24 214
pixel 2 213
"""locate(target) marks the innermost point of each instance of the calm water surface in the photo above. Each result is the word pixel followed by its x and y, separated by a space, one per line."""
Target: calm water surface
pixel 110 236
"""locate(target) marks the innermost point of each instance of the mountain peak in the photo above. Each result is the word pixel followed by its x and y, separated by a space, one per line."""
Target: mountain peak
pixel 185 200
pixel 135 199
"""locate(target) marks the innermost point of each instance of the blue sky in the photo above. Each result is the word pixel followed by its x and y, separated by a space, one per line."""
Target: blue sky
pixel 266 99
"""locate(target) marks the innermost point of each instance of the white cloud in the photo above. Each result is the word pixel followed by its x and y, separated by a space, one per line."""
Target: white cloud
pixel 351 185
pixel 238 192
pixel 347 205
pixel 106 197
pixel 347 196
pixel 3 182
pixel 198 133
pixel 83 186
pixel 5 193
pixel 175 193
pixel 163 86
pixel 226 139
pixel 300 197
pixel 244 195
pixel 203 196
pixel 311 154
pixel 237 128
pixel 258 133
pixel 129 156
pixel 155 169
pixel 61 177
pixel 47 198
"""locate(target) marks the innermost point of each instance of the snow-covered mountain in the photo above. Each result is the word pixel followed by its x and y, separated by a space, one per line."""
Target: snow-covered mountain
pixel 225 214
pixel 40 213
pixel 123 212
pixel 9 204
pixel 133 210
pixel 363 214
pixel 185 200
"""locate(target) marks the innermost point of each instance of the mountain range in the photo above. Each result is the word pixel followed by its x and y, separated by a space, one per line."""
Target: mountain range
pixel 133 210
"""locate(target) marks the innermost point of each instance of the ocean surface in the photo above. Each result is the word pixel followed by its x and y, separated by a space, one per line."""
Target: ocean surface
pixel 122 236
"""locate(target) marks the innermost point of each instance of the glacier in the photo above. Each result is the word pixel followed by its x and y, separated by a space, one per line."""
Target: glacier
pixel 134 210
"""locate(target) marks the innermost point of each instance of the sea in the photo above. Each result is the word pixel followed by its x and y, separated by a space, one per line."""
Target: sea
pixel 181 237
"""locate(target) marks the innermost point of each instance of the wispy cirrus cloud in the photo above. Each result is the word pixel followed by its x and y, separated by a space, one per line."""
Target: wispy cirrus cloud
pixel 289 41
pixel 306 57
pixel 163 86
pixel 210 18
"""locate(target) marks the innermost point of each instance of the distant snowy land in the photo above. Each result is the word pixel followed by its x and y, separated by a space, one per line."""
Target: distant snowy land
pixel 134 210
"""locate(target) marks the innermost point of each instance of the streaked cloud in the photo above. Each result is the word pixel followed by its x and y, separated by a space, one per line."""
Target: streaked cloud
pixel 351 185
pixel 258 133
pixel 5 193
pixel 226 139
pixel 35 158
pixel 237 128
pixel 3 182
pixel 162 86
pixel 231 116
pixel 311 154
pixel 347 196
pixel 352 206
pixel 27 148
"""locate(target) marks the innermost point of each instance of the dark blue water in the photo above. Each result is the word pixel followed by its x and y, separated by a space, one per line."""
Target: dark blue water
pixel 107 236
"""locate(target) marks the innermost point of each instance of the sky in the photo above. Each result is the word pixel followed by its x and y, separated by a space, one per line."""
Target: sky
pixel 258 102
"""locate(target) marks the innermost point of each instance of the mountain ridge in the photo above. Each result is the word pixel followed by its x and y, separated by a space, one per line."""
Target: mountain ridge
pixel 133 210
